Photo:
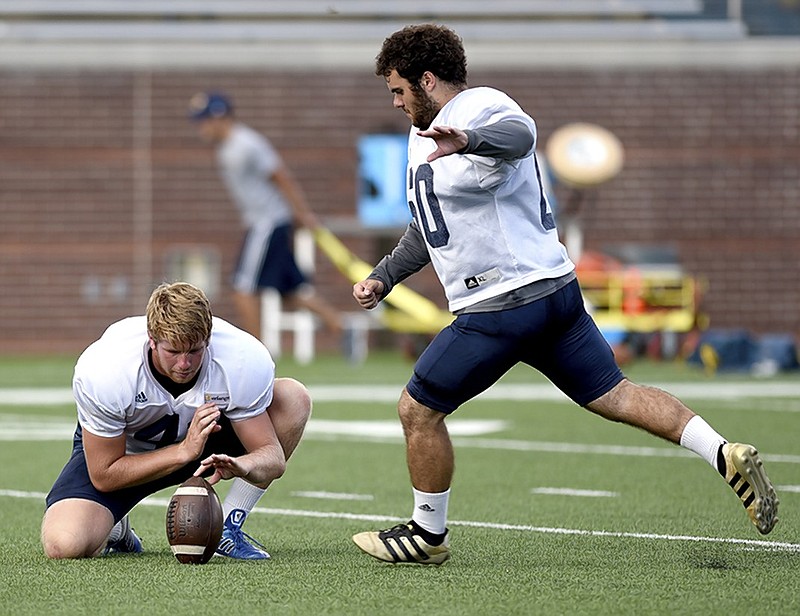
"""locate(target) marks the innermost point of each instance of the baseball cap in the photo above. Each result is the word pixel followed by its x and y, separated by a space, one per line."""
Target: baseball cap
pixel 209 105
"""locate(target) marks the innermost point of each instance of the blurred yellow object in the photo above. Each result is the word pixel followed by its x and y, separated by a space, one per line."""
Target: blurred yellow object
pixel 635 301
pixel 414 313
pixel 710 359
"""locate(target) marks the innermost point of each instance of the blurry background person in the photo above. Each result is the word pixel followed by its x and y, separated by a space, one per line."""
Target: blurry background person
pixel 270 201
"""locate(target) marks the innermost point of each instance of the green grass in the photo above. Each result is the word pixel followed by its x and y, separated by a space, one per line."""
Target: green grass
pixel 508 557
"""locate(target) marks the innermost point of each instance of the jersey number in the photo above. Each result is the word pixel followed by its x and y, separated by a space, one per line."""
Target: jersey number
pixel 428 212
pixel 160 433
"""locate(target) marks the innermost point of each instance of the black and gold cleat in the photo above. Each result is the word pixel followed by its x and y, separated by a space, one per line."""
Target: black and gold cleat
pixel 745 473
pixel 402 544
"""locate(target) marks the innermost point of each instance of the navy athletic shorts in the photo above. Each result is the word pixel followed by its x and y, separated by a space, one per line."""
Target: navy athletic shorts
pixel 553 334
pixel 74 482
pixel 266 260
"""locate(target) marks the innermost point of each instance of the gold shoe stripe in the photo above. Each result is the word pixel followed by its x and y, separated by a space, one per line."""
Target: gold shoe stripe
pixel 743 489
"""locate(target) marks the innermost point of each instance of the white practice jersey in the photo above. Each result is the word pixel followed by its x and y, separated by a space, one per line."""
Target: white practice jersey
pixel 487 223
pixel 247 161
pixel 116 392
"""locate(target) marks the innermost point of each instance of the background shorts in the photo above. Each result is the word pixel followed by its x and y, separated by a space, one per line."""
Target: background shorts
pixel 266 260
pixel 74 482
pixel 553 334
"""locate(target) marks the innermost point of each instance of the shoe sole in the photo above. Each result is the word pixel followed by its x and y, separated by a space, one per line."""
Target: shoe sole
pixel 225 556
pixel 749 466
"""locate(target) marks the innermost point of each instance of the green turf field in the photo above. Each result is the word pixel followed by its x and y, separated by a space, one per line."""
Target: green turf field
pixel 553 511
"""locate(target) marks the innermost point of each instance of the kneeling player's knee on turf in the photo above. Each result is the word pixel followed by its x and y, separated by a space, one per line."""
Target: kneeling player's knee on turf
pixel 59 544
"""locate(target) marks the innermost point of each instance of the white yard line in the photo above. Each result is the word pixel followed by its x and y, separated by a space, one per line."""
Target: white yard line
pixel 574 492
pixel 334 495
pixel 368 393
pixel 744 543
pixel 466 434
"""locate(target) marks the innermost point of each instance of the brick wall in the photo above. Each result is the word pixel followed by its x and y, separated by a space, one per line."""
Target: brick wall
pixel 102 179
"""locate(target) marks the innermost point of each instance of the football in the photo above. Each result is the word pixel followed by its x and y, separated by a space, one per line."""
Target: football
pixel 194 521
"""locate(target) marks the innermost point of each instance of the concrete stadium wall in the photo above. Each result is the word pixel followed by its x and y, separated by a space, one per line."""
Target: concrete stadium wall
pixel 102 179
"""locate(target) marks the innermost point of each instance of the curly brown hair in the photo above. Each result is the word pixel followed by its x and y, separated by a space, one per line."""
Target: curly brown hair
pixel 180 314
pixel 427 47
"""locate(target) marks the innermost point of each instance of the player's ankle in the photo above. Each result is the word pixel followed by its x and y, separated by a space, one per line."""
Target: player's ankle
pixel 429 537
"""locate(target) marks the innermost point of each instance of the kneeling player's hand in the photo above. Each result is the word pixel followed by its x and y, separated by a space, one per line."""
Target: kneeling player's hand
pixel 204 424
pixel 225 467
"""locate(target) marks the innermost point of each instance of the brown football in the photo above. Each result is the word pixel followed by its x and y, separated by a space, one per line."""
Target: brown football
pixel 194 521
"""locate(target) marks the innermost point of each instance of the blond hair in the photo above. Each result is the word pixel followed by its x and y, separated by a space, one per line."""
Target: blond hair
pixel 179 313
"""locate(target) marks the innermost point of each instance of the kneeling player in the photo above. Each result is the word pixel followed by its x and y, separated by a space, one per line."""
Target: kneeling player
pixel 161 397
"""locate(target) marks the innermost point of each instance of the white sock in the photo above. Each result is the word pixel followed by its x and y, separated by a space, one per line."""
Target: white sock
pixel 430 511
pixel 242 496
pixel 117 531
pixel 702 439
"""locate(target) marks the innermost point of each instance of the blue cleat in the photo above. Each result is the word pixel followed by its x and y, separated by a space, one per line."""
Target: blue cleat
pixel 236 543
pixel 127 543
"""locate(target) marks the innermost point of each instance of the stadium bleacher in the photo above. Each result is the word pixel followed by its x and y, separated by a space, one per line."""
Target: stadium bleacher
pixel 342 19
pixel 355 19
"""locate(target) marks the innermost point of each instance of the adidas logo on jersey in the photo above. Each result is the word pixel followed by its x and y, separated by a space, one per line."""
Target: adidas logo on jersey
pixel 481 279
pixel 141 398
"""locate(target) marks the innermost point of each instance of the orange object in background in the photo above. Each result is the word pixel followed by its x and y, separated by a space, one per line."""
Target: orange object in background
pixel 636 298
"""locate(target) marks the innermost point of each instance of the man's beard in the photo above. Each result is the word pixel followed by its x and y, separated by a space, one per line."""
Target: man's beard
pixel 425 110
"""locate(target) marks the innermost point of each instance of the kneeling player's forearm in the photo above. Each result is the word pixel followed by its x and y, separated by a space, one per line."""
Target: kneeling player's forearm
pixel 138 468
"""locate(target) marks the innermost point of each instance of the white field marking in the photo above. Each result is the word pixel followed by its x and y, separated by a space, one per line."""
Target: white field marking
pixel 502 391
pixel 795 489
pixel 613 450
pixel 767 405
pixel 20 428
pixel 40 396
pixel 330 515
pixel 547 391
pixel 334 495
pixel 35 428
pixel 21 494
pixel 554 447
pixel 43 428
pixel 393 429
pixel 574 492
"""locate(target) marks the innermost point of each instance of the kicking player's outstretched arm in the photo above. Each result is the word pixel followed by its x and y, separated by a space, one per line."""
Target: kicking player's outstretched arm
pixel 449 140
pixel 508 140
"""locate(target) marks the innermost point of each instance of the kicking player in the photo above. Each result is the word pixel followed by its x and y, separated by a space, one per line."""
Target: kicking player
pixel 162 397
pixel 481 218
